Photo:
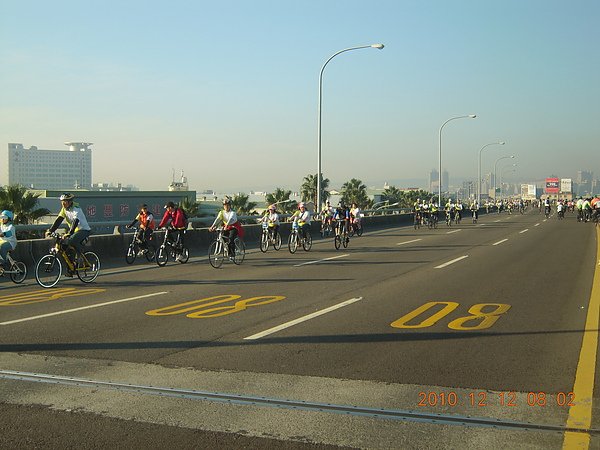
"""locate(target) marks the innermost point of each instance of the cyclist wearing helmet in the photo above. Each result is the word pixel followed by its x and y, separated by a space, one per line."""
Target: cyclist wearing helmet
pixel 175 217
pixel 342 218
pixel 302 218
pixel 8 237
pixel 232 228
pixel 272 219
pixel 79 229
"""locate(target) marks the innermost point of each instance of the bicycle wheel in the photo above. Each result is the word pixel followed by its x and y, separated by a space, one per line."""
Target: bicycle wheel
pixel 216 254
pixel 277 243
pixel 307 242
pixel 48 271
pixel 337 241
pixel 345 241
pixel 240 251
pixel 359 230
pixel 293 242
pixel 21 272
pixel 131 254
pixel 150 253
pixel 184 256
pixel 264 242
pixel 162 256
pixel 89 267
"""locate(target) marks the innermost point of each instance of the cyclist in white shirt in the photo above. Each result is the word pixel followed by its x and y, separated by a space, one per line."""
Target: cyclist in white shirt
pixel 79 229
pixel 272 220
pixel 302 218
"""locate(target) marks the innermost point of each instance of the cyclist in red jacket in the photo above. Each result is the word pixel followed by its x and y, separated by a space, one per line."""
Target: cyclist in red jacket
pixel 175 217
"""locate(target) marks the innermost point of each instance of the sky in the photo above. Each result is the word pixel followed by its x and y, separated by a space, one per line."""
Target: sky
pixel 228 91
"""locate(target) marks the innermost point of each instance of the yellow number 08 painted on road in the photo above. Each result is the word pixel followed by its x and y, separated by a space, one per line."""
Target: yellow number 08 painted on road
pixel 201 308
pixel 484 319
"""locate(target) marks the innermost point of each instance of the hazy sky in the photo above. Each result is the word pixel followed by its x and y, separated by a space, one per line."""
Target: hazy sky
pixel 228 91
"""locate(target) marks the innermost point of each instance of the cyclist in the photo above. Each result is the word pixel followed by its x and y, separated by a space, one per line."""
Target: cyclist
pixel 587 209
pixel 227 218
pixel 79 229
pixel 342 218
pixel 327 215
pixel 302 218
pixel 355 215
pixel 449 210
pixel 272 219
pixel 8 238
pixel 434 211
pixel 417 211
pixel 175 217
pixel 144 234
pixel 474 210
pixel 547 206
pixel 458 212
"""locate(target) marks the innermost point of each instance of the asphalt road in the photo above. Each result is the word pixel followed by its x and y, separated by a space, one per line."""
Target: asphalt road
pixel 462 337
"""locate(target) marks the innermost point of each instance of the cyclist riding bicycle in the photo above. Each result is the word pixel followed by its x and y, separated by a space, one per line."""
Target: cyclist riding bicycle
pixel 79 229
pixel 8 238
pixel 355 216
pixel 302 218
pixel 175 217
pixel 228 220
pixel 342 218
pixel 272 219
pixel 327 214
pixel 146 220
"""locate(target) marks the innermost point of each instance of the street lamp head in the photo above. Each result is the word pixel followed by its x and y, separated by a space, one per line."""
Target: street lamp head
pixel 501 142
pixel 472 116
pixel 512 156
pixel 379 46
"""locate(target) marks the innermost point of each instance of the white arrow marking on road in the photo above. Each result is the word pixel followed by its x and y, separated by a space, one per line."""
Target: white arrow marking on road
pixel 321 260
pixel 409 242
pixel 301 319
pixel 67 311
pixel 441 266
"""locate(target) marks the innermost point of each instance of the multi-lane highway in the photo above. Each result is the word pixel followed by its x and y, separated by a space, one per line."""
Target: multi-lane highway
pixel 471 336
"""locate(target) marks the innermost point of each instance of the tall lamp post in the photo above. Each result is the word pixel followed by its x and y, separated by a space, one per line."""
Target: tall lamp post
pixel 495 168
pixel 378 46
pixel 470 116
pixel 479 168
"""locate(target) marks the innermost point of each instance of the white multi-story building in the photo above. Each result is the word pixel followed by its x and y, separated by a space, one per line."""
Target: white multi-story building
pixel 51 169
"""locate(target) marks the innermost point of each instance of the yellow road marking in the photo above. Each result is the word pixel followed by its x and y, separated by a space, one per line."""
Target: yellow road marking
pixel 44 295
pixel 580 415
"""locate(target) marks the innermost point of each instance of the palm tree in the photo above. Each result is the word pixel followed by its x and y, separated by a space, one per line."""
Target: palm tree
pixel 354 191
pixel 392 194
pixel 22 203
pixel 190 207
pixel 308 190
pixel 281 198
pixel 241 205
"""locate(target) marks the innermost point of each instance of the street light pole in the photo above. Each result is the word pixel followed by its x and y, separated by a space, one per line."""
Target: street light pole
pixel 470 116
pixel 377 46
pixel 479 168
pixel 495 167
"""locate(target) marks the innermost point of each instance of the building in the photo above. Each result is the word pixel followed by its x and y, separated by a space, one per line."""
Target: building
pixel 51 169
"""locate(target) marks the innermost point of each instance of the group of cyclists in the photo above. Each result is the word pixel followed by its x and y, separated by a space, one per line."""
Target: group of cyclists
pixel 426 212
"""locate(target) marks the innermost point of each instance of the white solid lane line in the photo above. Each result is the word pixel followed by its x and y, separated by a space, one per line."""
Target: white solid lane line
pixel 500 242
pixel 409 242
pixel 321 260
pixel 441 266
pixel 524 231
pixel 301 319
pixel 67 311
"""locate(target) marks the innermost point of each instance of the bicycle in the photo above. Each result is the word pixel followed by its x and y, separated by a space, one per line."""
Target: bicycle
pixel 268 237
pixel 49 268
pixel 341 238
pixel 457 217
pixel 326 227
pixel 356 228
pixel 547 212
pixel 475 215
pixel 296 240
pixel 433 220
pixel 418 220
pixel 17 270
pixel 172 249
pixel 135 249
pixel 448 219
pixel 218 251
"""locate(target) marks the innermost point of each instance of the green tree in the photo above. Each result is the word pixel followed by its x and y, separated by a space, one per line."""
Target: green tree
pixel 190 207
pixel 22 203
pixel 241 205
pixel 392 194
pixel 354 191
pixel 281 197
pixel 308 190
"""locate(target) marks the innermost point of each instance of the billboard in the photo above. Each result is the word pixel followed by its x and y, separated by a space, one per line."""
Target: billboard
pixel 566 185
pixel 552 185
pixel 528 191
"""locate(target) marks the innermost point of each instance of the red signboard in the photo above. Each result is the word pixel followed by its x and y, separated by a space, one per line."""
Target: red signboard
pixel 552 185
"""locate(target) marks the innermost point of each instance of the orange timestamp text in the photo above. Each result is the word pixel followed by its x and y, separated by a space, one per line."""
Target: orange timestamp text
pixel 481 399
